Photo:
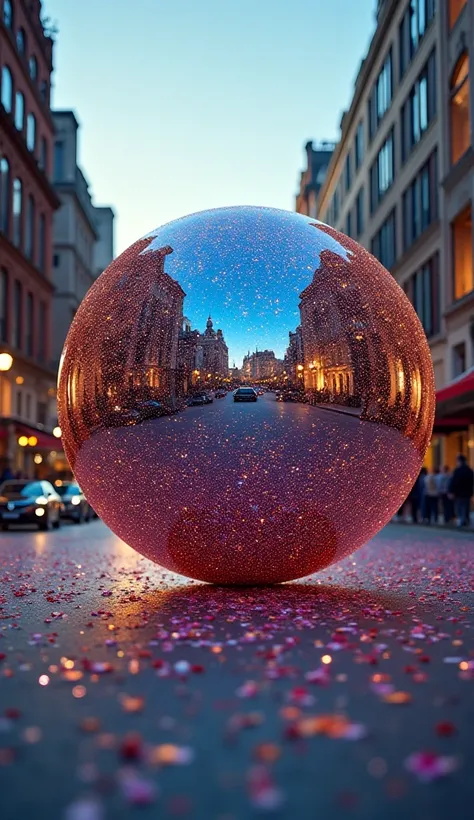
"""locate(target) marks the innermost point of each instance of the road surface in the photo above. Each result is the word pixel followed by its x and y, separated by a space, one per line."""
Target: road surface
pixel 122 684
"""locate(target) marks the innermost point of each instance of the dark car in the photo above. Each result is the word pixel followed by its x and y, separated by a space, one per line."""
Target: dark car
pixel 75 506
pixel 200 399
pixel 197 400
pixel 29 502
pixel 150 409
pixel 220 394
pixel 245 394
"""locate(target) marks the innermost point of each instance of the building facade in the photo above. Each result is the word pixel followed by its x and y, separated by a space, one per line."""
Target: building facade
pixel 213 354
pixel 27 203
pixel 83 234
pixel 262 365
pixel 312 178
pixel 401 182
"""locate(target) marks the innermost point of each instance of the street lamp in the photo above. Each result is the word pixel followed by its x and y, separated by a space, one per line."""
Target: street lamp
pixel 6 362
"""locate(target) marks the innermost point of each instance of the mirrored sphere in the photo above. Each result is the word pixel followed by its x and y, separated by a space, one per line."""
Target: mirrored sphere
pixel 246 395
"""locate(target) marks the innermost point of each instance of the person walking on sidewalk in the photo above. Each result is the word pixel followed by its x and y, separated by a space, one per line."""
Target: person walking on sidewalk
pixel 443 488
pixel 431 510
pixel 461 489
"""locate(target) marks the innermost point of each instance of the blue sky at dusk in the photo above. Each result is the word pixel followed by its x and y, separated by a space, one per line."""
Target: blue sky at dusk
pixel 193 104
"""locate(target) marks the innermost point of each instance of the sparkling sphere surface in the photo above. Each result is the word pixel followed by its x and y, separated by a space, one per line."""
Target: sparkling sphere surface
pixel 259 491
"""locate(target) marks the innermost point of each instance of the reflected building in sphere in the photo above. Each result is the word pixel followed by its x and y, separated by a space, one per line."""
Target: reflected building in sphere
pixel 213 356
pixel 294 358
pixel 262 365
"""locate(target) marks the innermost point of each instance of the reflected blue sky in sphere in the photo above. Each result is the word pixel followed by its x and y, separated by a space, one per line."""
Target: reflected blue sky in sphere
pixel 246 267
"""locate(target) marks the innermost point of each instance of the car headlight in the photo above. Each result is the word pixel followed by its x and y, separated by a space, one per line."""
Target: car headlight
pixel 41 500
pixel 76 499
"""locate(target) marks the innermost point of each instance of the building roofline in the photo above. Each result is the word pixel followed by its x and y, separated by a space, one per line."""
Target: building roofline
pixel 385 15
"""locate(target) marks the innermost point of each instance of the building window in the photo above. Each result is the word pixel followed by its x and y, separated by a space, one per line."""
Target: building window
pixel 459 109
pixel 359 145
pixel 335 205
pixel 384 244
pixel 21 41
pixel 420 201
pixel 5 183
pixel 19 111
pixel 19 403
pixel 459 360
pixel 382 172
pixel 41 413
pixel 17 329
pixel 455 8
pixel 31 132
pixel 419 109
pixel 348 172
pixel 30 227
pixel 424 291
pixel 58 161
pixel 8 13
pixel 381 96
pixel 44 90
pixel 7 89
pixel 42 243
pixel 349 224
pixel 33 68
pixel 360 212
pixel 461 238
pixel 56 260
pixel 416 20
pixel 42 332
pixel 30 320
pixel 17 212
pixel 3 305
pixel 43 157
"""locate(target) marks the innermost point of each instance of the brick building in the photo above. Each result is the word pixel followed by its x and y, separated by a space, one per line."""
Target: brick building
pixel 401 182
pixel 27 204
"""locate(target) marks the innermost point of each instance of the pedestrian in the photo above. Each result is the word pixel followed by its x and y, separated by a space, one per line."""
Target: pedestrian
pixel 444 478
pixel 461 490
pixel 431 510
pixel 7 473
pixel 415 496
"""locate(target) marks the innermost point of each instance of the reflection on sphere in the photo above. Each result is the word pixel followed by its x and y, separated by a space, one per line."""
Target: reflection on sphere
pixel 251 492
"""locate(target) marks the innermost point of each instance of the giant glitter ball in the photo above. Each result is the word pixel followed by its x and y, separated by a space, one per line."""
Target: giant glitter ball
pixel 246 491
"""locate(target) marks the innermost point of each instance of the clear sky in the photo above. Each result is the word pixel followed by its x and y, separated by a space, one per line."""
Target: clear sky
pixel 193 104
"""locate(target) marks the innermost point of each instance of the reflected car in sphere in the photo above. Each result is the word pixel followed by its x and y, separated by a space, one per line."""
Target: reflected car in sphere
pixel 245 394
pixel 29 502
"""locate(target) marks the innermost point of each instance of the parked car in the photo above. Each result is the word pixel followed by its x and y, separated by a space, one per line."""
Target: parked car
pixel 245 394
pixel 220 394
pixel 200 399
pixel 75 506
pixel 197 400
pixel 150 409
pixel 29 502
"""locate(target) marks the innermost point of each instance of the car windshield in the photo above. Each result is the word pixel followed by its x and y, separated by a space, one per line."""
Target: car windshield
pixel 24 488
pixel 68 489
pixel 246 390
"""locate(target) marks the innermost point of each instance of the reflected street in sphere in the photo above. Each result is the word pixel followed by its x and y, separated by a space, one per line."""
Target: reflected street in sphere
pixel 246 491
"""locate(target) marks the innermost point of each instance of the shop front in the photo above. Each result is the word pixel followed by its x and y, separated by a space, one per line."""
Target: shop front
pixel 453 432
pixel 31 452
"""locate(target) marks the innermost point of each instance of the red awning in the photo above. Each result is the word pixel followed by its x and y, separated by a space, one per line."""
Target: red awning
pixel 460 387
pixel 46 441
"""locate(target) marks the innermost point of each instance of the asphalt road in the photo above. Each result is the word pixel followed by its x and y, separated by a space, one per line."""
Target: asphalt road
pixel 122 685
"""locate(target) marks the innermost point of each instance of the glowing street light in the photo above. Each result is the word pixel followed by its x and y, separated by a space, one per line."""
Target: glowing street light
pixel 57 432
pixel 6 362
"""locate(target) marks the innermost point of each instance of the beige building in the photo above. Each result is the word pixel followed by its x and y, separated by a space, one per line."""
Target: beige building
pixel 401 182
pixel 83 234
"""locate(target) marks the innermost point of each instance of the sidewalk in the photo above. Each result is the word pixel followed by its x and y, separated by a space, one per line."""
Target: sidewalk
pixel 439 525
